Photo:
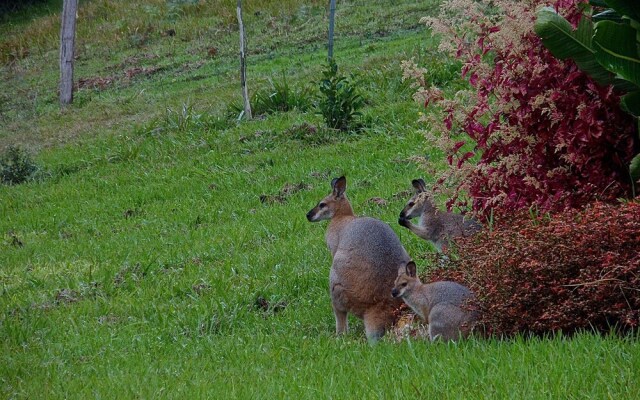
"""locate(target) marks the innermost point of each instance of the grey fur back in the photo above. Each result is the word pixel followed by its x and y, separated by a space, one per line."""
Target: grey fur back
pixel 448 292
pixel 365 265
pixel 374 241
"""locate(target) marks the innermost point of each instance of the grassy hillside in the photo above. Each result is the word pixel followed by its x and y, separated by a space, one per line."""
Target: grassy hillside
pixel 163 250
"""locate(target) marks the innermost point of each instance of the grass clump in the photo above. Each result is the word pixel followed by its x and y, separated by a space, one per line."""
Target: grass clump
pixel 281 97
pixel 278 97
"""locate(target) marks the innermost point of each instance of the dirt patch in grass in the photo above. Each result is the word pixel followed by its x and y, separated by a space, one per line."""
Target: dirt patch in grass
pixel 104 82
pixel 378 201
pixel 283 195
pixel 67 296
pixel 201 288
pixel 269 308
pixel 96 82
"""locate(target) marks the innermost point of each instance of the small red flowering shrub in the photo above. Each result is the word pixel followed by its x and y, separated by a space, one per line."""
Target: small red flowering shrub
pixel 532 130
pixel 579 270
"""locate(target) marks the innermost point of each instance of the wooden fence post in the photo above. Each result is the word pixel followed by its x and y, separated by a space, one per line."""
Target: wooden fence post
pixel 67 43
pixel 243 64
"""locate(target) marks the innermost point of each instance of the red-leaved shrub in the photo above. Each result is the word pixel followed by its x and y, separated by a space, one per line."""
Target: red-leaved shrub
pixel 578 270
pixel 533 130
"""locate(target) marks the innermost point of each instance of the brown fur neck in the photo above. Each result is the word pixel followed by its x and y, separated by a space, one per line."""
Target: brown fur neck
pixel 343 209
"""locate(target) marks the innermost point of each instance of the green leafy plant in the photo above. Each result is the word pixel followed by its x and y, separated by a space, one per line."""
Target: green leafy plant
pixel 606 46
pixel 339 100
pixel 16 166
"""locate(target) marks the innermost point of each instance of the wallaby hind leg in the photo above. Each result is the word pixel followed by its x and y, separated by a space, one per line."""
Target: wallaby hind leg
pixel 341 321
pixel 376 322
pixel 445 321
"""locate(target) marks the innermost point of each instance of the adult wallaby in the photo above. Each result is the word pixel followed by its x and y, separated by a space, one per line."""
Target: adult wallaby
pixel 444 305
pixel 435 226
pixel 366 256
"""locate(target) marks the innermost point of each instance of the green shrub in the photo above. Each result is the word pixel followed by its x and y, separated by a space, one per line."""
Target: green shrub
pixel 339 100
pixel 16 166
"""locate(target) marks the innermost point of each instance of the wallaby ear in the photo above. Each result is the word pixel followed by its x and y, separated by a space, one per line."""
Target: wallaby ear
pixel 339 185
pixel 411 268
pixel 419 185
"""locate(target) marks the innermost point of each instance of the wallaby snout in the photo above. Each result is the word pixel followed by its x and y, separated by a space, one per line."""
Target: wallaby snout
pixel 366 255
pixel 310 215
pixel 316 213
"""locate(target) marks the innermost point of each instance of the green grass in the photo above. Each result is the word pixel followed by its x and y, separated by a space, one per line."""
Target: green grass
pixel 164 251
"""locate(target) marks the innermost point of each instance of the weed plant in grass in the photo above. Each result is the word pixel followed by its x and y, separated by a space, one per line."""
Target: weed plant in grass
pixel 278 97
pixel 16 166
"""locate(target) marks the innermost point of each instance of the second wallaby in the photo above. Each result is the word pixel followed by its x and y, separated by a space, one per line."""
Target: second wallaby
pixel 445 306
pixel 366 256
pixel 436 226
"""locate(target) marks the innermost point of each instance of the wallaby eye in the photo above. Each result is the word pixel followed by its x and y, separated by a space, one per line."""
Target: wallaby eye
pixel 411 204
pixel 404 284
pixel 322 205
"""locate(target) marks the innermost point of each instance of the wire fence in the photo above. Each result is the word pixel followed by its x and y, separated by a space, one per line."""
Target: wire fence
pixel 305 32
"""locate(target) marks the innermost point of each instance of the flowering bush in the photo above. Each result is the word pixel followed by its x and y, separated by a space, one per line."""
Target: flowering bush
pixel 579 270
pixel 533 130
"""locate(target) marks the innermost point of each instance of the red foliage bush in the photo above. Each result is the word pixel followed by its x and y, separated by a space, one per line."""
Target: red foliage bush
pixel 578 270
pixel 572 148
pixel 545 134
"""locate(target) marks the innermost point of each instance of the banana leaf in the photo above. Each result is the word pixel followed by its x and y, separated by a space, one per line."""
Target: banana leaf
pixel 634 168
pixel 563 42
pixel 616 49
pixel 631 103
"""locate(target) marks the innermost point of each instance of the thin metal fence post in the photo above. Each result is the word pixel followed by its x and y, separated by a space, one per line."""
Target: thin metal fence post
pixel 332 15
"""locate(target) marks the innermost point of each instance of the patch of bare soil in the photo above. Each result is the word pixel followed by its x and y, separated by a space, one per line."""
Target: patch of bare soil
pixel 283 195
pixel 104 82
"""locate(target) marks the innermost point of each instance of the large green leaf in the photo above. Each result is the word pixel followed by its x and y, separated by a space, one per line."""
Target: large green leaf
pixel 563 42
pixel 558 36
pixel 630 8
pixel 634 168
pixel 617 50
pixel 631 103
